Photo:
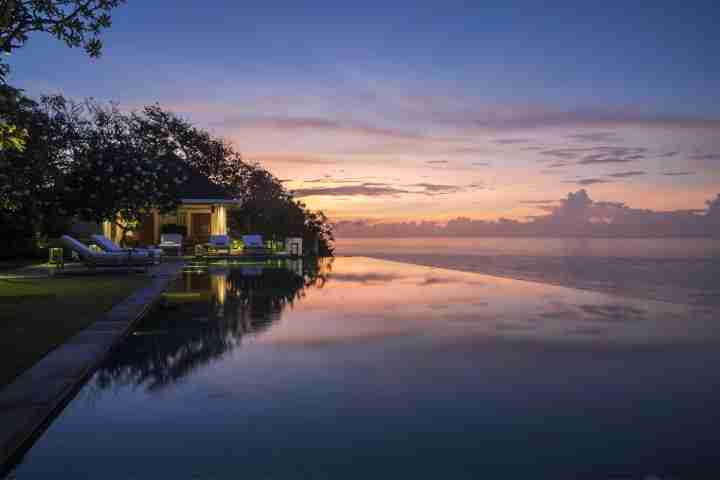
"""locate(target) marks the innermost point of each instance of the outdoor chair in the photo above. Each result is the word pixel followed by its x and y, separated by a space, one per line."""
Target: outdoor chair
pixel 106 259
pixel 171 242
pixel 220 243
pixel 253 244
pixel 109 246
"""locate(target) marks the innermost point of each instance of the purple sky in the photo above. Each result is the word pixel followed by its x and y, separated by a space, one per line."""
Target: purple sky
pixel 421 110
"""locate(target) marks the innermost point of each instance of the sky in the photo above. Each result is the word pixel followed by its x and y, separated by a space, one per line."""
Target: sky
pixel 411 111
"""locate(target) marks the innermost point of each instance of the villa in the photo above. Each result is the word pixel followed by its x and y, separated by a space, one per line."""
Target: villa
pixel 202 211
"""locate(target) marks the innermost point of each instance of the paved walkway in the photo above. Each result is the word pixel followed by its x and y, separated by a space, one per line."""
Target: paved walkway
pixel 32 399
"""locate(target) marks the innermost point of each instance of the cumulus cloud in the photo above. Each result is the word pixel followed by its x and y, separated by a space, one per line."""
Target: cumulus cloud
pixel 575 215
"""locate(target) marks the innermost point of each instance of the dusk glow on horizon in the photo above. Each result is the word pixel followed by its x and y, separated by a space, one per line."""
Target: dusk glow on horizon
pixel 415 112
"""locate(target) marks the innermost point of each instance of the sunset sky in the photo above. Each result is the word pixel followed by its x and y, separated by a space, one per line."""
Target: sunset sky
pixel 421 110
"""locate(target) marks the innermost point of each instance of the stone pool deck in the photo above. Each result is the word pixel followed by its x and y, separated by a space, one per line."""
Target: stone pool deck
pixel 31 401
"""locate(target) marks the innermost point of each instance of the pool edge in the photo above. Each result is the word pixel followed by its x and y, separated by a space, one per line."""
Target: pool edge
pixel 31 402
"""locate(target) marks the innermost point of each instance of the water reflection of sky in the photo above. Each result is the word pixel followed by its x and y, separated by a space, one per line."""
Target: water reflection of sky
pixel 368 298
pixel 364 368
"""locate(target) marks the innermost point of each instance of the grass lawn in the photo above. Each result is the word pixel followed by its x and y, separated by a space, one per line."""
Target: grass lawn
pixel 37 315
pixel 8 265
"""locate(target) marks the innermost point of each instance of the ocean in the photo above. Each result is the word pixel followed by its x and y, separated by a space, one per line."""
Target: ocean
pixel 678 270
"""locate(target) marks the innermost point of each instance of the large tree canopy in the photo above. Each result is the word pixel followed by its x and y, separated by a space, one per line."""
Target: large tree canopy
pixel 94 162
pixel 87 161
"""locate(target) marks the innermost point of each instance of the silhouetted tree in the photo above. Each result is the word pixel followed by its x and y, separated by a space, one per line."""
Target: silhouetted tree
pixel 266 206
pixel 77 23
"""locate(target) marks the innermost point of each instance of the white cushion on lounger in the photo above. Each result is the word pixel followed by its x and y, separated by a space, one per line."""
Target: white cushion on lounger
pixel 110 246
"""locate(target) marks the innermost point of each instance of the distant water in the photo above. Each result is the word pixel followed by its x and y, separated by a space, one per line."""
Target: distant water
pixel 680 270
pixel 540 247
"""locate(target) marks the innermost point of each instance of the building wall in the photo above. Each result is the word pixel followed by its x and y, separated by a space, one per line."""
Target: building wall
pixel 148 232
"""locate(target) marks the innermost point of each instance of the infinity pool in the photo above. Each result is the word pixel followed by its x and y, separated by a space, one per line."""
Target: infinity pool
pixel 362 368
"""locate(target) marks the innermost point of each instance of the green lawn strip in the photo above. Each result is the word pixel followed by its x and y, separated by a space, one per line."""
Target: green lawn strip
pixel 37 315
pixel 10 265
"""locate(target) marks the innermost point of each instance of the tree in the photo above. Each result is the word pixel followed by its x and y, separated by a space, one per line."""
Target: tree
pixel 266 206
pixel 115 175
pixel 84 160
pixel 214 157
pixel 77 23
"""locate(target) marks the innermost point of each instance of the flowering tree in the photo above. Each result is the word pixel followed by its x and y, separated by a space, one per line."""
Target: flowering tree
pixel 115 175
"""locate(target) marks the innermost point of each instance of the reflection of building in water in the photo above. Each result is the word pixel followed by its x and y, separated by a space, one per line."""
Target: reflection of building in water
pixel 296 266
pixel 204 316
pixel 218 284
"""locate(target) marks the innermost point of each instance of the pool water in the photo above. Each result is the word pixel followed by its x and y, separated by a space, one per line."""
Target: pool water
pixel 362 368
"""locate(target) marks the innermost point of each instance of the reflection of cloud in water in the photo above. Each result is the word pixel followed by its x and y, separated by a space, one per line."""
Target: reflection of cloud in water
pixel 514 327
pixel 563 314
pixel 613 313
pixel 433 280
pixel 366 277
pixel 589 331
pixel 438 306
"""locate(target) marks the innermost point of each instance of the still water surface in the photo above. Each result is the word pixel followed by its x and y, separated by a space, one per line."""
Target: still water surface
pixel 681 248
pixel 364 368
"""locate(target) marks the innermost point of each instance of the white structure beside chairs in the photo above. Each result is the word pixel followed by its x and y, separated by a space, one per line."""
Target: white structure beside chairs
pixel 171 242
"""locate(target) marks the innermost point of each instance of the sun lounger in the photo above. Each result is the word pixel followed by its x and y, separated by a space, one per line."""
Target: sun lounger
pixel 106 259
pixel 171 242
pixel 109 246
pixel 253 244
pixel 220 242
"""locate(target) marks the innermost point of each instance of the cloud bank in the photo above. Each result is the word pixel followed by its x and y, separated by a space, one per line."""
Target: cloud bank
pixel 575 215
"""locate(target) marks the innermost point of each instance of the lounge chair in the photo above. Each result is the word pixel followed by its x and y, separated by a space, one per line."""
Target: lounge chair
pixel 109 246
pixel 106 259
pixel 220 242
pixel 253 244
pixel 171 242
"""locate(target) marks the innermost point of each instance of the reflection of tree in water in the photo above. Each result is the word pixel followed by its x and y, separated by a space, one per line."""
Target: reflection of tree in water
pixel 204 316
